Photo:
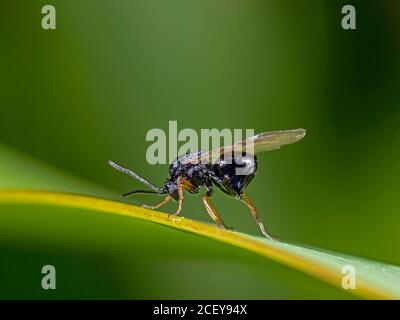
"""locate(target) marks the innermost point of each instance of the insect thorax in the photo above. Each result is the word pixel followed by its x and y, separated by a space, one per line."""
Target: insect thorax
pixel 197 174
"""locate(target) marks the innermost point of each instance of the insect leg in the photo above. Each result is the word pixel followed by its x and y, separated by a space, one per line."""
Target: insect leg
pixel 213 212
pixel 165 201
pixel 249 203
pixel 181 183
pixel 187 185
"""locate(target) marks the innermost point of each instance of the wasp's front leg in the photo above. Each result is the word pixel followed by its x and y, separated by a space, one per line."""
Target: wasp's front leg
pixel 159 205
pixel 183 184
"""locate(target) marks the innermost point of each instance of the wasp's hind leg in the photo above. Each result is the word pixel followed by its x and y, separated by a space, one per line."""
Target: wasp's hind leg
pixel 249 203
pixel 212 212
pixel 157 206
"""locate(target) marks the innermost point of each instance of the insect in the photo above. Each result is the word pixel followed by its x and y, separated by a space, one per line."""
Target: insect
pixel 193 170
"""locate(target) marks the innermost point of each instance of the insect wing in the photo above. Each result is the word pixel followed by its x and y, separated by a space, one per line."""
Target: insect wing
pixel 264 141
pixel 267 141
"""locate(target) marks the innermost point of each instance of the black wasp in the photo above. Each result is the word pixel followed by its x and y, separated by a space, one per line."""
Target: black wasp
pixel 192 170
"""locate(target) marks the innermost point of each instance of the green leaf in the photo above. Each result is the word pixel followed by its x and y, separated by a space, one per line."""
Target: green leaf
pixel 373 279
pixel 45 226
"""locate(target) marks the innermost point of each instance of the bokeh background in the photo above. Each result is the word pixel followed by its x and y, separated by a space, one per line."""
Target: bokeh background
pixel 74 97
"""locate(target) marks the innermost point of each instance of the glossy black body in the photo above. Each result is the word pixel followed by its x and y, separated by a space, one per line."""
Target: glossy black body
pixel 222 174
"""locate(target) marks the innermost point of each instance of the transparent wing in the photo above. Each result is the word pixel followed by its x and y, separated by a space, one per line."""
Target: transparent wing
pixel 267 141
pixel 264 141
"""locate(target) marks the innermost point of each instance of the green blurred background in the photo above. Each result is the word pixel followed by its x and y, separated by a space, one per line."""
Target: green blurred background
pixel 74 97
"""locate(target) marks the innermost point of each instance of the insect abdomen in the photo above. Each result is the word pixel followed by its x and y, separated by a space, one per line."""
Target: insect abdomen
pixel 234 176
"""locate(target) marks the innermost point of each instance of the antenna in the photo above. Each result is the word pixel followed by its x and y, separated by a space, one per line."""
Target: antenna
pixel 138 178
pixel 130 193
